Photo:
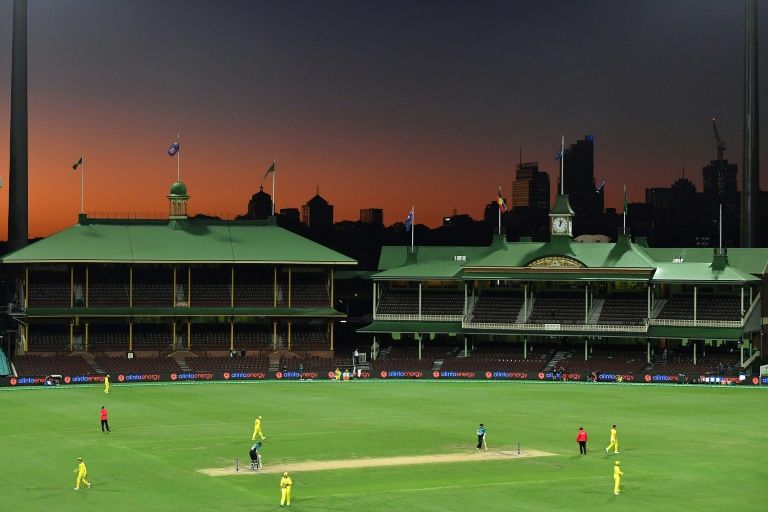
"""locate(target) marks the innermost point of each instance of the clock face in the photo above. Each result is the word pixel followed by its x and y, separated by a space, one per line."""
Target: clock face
pixel 560 225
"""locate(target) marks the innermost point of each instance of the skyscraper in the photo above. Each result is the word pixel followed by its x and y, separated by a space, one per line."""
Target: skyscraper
pixel 531 188
pixel 579 170
pixel 317 213
pixel 372 216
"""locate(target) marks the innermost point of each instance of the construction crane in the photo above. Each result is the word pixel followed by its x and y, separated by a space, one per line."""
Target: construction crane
pixel 720 143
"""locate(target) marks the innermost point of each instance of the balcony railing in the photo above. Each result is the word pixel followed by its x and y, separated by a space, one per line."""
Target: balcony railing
pixel 555 327
pixel 670 322
pixel 419 318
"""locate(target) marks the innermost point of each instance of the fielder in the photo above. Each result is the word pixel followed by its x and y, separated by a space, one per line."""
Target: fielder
pixel 285 490
pixel 614 442
pixel 106 384
pixel 257 430
pixel 617 472
pixel 82 474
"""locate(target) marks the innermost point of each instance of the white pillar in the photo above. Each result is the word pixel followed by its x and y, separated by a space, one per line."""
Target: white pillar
pixel 375 352
pixel 525 347
pixel 694 353
pixel 695 298
pixel 741 349
pixel 742 301
pixel 465 345
pixel 649 303
pixel 648 351
pixel 586 356
pixel 419 347
pixel 466 306
pixel 419 304
pixel 374 301
pixel 586 302
pixel 525 302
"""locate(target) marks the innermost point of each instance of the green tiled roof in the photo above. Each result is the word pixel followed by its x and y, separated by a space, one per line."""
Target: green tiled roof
pixel 183 312
pixel 752 261
pixel 385 326
pixel 700 272
pixel 146 241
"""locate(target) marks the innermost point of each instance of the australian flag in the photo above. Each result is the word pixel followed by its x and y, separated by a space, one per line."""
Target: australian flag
pixel 409 220
pixel 173 149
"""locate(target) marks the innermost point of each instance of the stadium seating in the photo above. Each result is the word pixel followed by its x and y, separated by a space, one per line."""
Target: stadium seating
pixel 708 361
pixel 606 360
pixel 498 306
pixel 558 308
pixel 211 295
pixel 228 364
pixel 308 338
pixel 107 337
pixel 5 366
pixel 402 358
pixel 402 301
pixel 321 365
pixel 210 336
pixel 108 294
pixel 117 365
pixel 708 307
pixel 40 366
pixel 308 290
pixel 624 309
pixel 49 289
pixel 48 338
pixel 152 337
pixel 253 337
pixel 497 357
pixel 152 294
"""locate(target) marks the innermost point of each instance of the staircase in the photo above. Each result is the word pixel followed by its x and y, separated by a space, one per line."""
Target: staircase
pixel 91 360
pixel 556 359
pixel 180 356
pixel 657 307
pixel 597 308
pixel 522 316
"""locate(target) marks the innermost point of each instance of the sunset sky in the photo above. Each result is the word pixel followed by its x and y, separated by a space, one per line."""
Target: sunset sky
pixel 379 103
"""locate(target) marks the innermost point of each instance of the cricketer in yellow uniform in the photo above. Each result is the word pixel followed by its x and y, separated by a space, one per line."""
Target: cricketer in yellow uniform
pixel 82 475
pixel 257 430
pixel 285 490
pixel 614 441
pixel 106 384
pixel 617 472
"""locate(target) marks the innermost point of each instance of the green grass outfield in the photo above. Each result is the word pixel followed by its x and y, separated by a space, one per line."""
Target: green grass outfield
pixel 682 447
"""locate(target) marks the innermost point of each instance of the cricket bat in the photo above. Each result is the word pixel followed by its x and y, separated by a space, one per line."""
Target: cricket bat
pixel 485 442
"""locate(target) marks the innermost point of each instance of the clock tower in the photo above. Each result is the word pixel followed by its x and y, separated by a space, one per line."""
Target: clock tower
pixel 561 217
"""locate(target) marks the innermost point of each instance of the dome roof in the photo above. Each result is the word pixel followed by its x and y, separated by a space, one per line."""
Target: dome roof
pixel 178 189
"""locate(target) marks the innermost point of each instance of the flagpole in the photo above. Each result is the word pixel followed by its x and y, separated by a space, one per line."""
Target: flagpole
pixel 625 210
pixel 178 158
pixel 82 185
pixel 499 208
pixel 720 244
pixel 274 171
pixel 413 224
pixel 562 172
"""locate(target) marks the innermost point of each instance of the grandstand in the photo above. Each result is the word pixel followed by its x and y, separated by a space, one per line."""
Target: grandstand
pixel 110 287
pixel 608 307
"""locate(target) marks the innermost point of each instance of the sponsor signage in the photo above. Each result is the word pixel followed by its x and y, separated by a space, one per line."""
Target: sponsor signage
pixel 454 375
pixel 509 375
pixel 660 378
pixel 614 377
pixel 140 377
pixel 291 375
pixel 243 375
pixel 763 381
pixel 192 376
pixel 558 376
pixel 401 374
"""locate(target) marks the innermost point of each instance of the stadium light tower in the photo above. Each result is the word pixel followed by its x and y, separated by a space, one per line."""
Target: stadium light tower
pixel 18 176
pixel 751 168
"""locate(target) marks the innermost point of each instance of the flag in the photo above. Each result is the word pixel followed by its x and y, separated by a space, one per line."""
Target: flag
pixel 77 164
pixel 173 149
pixel 409 220
pixel 270 170
pixel 502 203
pixel 625 200
pixel 561 153
pixel 601 187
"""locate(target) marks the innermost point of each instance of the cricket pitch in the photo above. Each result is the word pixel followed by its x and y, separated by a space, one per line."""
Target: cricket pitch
pixel 378 462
